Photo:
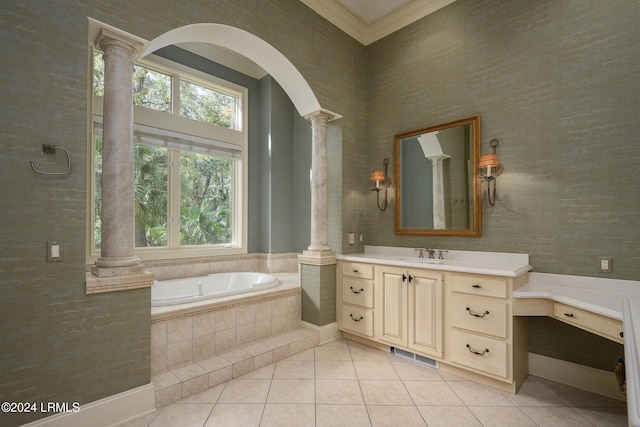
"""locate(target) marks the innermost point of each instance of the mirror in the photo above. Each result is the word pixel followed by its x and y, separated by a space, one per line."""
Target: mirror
pixel 436 185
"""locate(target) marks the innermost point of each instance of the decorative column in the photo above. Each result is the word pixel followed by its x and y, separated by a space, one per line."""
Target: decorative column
pixel 117 247
pixel 439 219
pixel 318 262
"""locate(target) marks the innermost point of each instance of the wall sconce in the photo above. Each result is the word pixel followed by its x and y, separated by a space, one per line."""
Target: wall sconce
pixel 382 181
pixel 490 168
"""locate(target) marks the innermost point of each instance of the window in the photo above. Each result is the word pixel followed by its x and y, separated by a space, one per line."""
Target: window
pixel 189 183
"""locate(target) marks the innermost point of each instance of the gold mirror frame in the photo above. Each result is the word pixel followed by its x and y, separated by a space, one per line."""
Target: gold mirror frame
pixel 476 222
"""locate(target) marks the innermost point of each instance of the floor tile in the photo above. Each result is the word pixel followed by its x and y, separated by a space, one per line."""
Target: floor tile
pixel 292 391
pixel 335 370
pixel 344 383
pixel 287 415
pixel 342 415
pixel 496 416
pixel 235 415
pixel 442 416
pixel 377 392
pixel 303 369
pixel 556 416
pixel 432 393
pixel 182 414
pixel 246 391
pixel 339 392
pixel 474 394
pixel 366 370
pixel 392 416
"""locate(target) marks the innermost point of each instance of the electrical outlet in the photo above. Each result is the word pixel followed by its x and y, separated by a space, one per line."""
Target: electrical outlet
pixel 605 264
pixel 352 238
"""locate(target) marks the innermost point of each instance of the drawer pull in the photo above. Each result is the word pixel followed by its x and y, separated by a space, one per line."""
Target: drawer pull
pixel 569 314
pixel 471 313
pixel 355 271
pixel 354 319
pixel 356 292
pixel 621 334
pixel 476 286
pixel 479 353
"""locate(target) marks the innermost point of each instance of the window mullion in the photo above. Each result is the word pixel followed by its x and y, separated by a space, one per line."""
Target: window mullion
pixel 175 94
pixel 173 200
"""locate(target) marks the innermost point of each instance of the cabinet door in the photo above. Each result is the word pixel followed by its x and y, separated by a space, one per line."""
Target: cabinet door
pixel 425 312
pixel 392 314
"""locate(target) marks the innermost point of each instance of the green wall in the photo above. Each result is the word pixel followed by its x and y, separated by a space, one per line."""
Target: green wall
pixel 557 83
pixel 59 344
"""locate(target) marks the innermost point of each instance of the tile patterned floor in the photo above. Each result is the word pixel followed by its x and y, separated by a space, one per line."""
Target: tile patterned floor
pixel 344 383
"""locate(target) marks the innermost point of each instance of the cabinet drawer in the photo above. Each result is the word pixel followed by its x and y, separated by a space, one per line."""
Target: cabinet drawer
pixel 358 320
pixel 484 315
pixel 357 291
pixel 479 285
pixel 357 269
pixel 480 353
pixel 603 326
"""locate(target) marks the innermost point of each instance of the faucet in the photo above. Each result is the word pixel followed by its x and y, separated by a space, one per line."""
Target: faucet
pixel 431 252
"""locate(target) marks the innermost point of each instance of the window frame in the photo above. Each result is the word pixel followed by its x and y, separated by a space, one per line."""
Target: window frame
pixel 175 124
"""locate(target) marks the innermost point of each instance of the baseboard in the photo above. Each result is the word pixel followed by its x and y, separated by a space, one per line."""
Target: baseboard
pixel 574 375
pixel 110 411
pixel 325 333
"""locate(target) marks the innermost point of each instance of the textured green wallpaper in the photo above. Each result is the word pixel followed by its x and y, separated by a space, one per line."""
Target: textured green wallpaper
pixel 59 344
pixel 557 83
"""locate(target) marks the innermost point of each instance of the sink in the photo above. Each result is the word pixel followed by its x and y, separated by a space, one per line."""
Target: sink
pixel 425 260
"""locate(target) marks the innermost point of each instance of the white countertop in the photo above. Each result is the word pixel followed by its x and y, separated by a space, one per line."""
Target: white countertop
pixel 617 299
pixel 493 263
pixel 601 296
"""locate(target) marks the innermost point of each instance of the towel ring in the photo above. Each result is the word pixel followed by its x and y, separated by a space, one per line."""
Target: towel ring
pixel 51 149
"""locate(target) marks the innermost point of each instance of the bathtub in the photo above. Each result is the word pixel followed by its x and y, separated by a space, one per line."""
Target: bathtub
pixel 191 289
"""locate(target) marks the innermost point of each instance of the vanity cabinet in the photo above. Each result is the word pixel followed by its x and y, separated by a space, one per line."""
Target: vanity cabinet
pixel 484 337
pixel 355 298
pixel 409 313
pixel 462 320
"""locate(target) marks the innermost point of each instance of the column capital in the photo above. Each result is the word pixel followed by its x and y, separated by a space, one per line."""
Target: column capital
pixel 109 38
pixel 322 114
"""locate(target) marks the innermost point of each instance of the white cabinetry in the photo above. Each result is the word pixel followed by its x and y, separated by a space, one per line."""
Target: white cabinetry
pixel 409 309
pixel 484 337
pixel 355 298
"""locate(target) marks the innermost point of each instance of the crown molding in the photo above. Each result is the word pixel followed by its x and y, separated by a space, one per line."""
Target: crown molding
pixel 341 17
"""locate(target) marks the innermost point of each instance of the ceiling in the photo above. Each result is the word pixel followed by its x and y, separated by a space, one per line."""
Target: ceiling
pixel 365 20
pixel 371 20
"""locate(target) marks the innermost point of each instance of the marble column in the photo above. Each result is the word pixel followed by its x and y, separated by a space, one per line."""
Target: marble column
pixel 117 246
pixel 318 263
pixel 319 194
pixel 439 218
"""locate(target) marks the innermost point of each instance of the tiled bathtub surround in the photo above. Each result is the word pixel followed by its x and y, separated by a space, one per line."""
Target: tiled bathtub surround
pixel 205 330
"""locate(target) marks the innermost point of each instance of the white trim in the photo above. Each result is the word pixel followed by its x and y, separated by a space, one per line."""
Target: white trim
pixel 109 411
pixel 326 333
pixel 341 17
pixel 574 375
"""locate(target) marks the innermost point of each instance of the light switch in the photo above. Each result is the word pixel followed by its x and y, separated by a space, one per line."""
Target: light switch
pixel 54 251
